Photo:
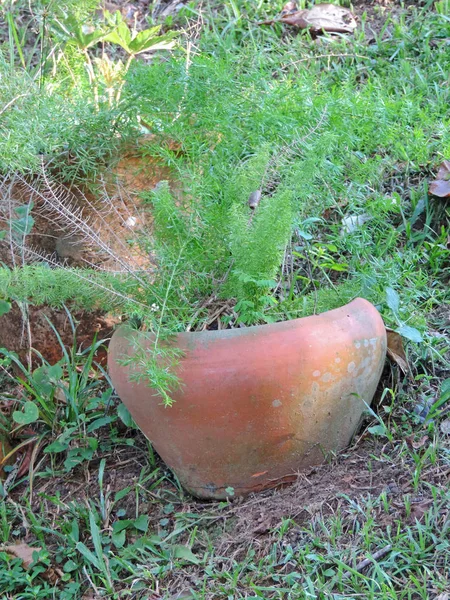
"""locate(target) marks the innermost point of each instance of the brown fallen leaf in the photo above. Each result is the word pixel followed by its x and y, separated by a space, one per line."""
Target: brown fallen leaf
pixel 289 8
pixel 25 463
pixel 420 443
pixel 419 509
pixel 395 349
pixel 25 553
pixel 438 41
pixel 441 186
pixel 332 212
pixel 409 439
pixel 321 17
pixel 22 551
pixel 331 18
pixel 295 19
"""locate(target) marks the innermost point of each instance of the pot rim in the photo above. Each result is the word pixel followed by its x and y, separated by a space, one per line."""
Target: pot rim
pixel 249 329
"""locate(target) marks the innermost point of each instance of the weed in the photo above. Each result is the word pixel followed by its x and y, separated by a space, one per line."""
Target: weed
pixel 65 404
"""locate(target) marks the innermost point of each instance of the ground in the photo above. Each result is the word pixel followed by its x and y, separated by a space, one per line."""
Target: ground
pixel 373 522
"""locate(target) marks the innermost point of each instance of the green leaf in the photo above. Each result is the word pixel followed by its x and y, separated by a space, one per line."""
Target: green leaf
pixel 304 234
pixel 90 39
pixel 5 307
pixel 95 533
pixel 146 40
pixel 392 299
pixel 445 390
pixel 73 30
pixel 22 226
pixel 29 415
pixel 125 415
pixel 118 539
pixel 185 553
pixel 119 526
pixel 410 333
pixel 141 523
pixel 24 210
pixel 75 531
pixel 336 267
pixel 55 372
pixel 78 455
pixel 99 423
pixel 122 493
pixel 57 446
pixel 379 430
pixel 168 508
pixel 70 566
pixel 134 43
pixel 147 36
pixel 46 377
pixel 41 382
pixel 62 443
pixel 90 556
pixel 121 34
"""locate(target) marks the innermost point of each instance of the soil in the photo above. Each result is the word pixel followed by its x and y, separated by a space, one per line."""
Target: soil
pixel 368 467
pixel 114 210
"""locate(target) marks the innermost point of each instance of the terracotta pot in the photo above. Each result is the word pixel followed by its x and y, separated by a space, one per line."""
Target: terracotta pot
pixel 258 404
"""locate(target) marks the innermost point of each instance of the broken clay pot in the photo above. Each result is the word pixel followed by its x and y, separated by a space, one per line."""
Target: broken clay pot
pixel 258 404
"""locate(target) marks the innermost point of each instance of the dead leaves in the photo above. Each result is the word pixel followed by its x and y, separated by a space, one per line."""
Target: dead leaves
pixel 27 555
pixel 419 509
pixel 395 349
pixel 441 186
pixel 413 445
pixel 22 551
pixel 318 19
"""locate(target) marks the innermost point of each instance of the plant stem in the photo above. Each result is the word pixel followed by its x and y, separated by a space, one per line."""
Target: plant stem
pixel 127 66
pixel 92 78
pixel 169 287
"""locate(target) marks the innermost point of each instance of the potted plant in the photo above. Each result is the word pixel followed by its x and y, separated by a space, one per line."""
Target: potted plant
pixel 256 404
pixel 265 394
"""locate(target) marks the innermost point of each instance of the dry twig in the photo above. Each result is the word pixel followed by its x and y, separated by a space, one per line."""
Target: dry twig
pixel 368 561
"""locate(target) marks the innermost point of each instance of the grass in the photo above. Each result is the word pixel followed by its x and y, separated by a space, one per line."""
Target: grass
pixel 349 130
pixel 138 532
pixel 336 132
